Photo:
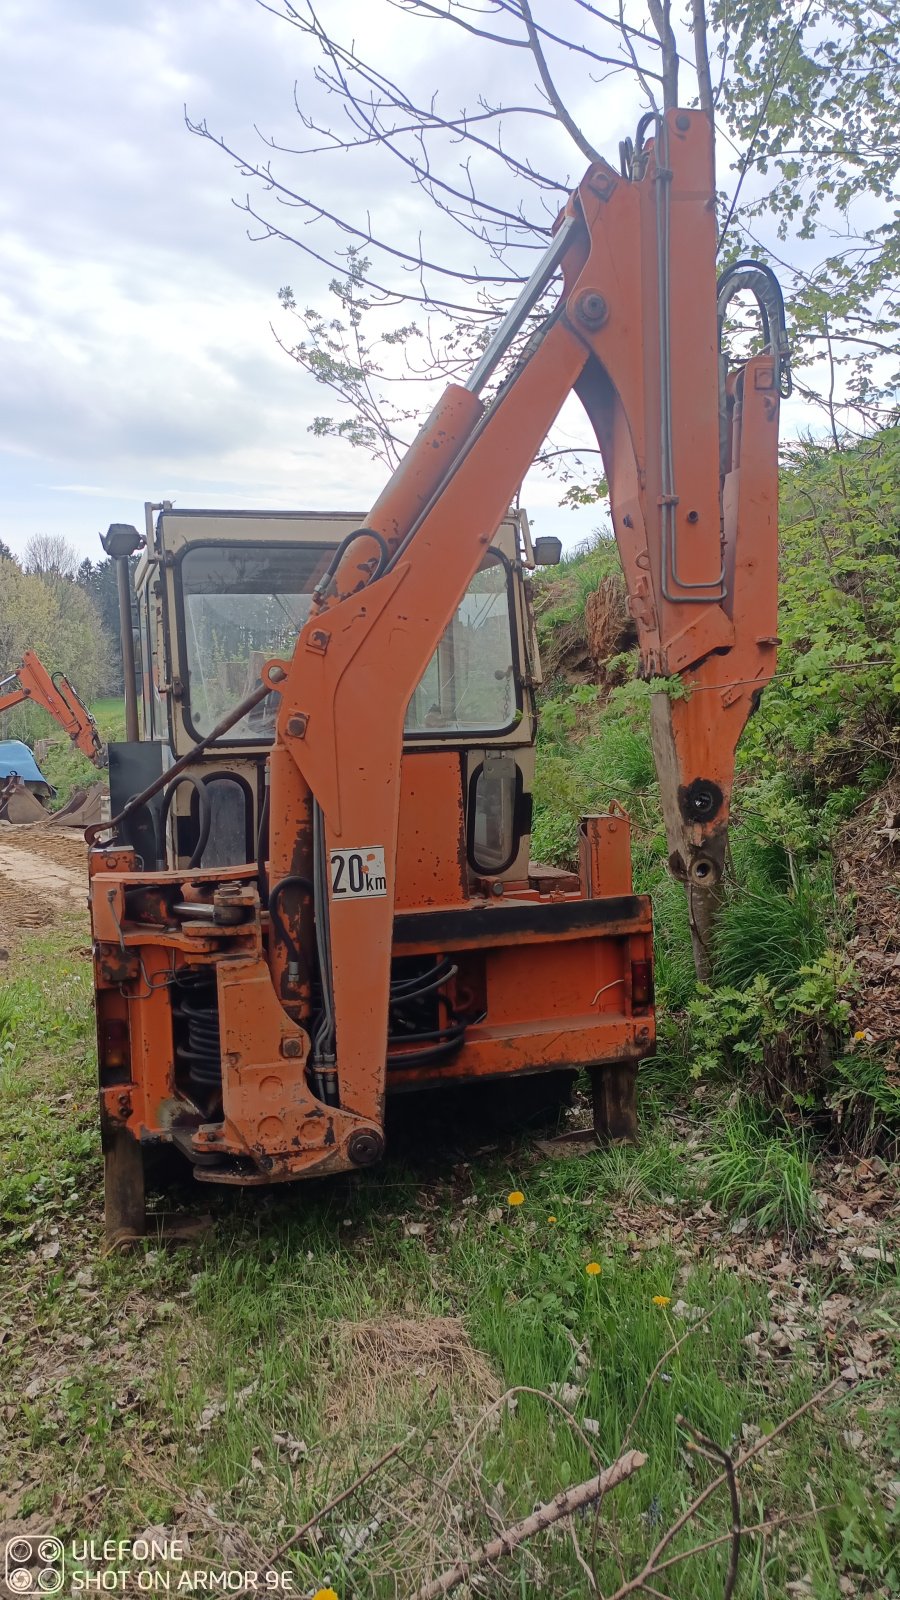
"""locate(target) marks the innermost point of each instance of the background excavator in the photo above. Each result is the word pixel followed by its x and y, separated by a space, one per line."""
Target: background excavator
pixel 326 896
pixel 33 684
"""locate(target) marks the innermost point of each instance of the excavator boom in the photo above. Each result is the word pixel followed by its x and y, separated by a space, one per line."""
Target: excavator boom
pixel 53 691
pixel 693 495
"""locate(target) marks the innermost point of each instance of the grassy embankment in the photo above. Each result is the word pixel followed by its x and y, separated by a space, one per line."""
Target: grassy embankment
pixel 804 1016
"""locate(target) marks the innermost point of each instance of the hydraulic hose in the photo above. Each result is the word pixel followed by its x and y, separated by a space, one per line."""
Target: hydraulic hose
pixel 262 845
pixel 762 283
pixel 204 817
pixel 292 881
pixel 325 582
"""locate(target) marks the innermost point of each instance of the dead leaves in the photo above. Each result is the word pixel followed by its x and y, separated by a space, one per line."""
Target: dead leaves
pixel 869 864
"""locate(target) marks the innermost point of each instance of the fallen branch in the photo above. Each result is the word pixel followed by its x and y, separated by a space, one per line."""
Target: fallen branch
pixel 789 1520
pixel 648 1386
pixel 564 1505
pixel 654 1565
pixel 714 1452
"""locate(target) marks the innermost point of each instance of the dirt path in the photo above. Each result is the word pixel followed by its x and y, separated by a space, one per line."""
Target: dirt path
pixel 43 873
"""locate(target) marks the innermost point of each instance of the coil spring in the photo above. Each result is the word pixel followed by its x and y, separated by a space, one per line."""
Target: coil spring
pixel 200 1048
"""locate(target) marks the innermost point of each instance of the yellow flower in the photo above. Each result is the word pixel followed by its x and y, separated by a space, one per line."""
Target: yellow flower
pixel 860 1033
pixel 593 1269
pixel 551 1219
pixel 325 1594
pixel 662 1299
pixel 516 1198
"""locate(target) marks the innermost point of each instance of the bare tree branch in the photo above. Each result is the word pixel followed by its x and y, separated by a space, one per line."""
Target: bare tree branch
pixel 638 70
pixel 701 58
pixel 714 1452
pixel 660 14
pixel 653 1565
pixel 553 96
pixel 512 8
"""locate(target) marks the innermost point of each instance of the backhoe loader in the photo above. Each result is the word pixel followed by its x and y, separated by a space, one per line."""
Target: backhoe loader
pixel 316 890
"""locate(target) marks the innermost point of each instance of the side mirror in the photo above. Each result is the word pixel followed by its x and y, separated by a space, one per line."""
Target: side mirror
pixel 547 551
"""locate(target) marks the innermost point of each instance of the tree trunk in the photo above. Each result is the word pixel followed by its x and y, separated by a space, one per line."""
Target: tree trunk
pixel 659 12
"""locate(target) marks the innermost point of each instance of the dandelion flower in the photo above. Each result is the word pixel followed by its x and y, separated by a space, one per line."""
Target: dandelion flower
pixel 860 1033
pixel 662 1299
pixel 551 1219
pixel 325 1594
pixel 593 1269
pixel 516 1198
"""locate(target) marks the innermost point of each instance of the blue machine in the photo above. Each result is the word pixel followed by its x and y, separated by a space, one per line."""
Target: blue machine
pixel 16 758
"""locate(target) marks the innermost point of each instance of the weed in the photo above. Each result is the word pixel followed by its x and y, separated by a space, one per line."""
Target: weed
pixel 757 1171
pixel 865 1101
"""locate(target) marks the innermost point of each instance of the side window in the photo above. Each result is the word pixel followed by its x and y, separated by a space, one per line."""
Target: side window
pixel 494 793
pixel 469 685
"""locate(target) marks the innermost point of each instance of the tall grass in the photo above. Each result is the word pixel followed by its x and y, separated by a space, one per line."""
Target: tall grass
pixel 773 930
pixel 756 1170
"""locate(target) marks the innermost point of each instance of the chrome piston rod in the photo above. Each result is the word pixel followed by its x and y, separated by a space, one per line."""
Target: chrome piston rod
pixel 527 300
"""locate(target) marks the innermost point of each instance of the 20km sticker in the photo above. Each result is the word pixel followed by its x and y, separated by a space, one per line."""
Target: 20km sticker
pixel 358 874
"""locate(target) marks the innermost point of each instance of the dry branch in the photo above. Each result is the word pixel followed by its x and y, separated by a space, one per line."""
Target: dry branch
pixel 654 1565
pixel 714 1452
pixel 564 1505
pixel 301 1533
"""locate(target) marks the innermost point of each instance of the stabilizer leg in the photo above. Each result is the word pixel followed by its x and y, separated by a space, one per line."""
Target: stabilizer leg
pixel 614 1094
pixel 123 1172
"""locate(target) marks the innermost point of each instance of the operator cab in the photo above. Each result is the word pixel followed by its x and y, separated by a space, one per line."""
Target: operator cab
pixel 219 593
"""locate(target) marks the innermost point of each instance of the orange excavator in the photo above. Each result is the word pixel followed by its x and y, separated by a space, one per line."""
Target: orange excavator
pixel 388 933
pixel 33 683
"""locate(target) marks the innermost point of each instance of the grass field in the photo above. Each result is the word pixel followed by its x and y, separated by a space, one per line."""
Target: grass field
pixel 228 1386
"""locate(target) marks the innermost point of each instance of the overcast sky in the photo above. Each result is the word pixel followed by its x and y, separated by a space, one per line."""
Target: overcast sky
pixel 137 359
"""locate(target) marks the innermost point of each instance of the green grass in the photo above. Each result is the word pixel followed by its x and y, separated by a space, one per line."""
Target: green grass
pixel 182 1371
pixel 760 1172
pixel 777 921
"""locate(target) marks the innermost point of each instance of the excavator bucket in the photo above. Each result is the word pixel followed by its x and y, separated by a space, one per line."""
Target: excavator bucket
pixel 19 805
pixel 85 808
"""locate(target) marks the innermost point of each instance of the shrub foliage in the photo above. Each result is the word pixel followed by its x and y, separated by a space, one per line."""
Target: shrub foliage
pixel 779 1019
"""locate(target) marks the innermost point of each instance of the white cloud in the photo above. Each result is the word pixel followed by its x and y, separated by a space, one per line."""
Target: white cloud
pixel 136 359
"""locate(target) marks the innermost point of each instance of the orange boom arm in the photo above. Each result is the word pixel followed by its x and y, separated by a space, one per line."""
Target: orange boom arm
pixel 55 693
pixel 691 461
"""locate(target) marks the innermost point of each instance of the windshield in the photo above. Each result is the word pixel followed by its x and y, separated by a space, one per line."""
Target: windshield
pixel 469 685
pixel 243 605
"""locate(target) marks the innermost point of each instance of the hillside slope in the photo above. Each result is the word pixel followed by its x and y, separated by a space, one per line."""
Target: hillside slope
pixel 806 1008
